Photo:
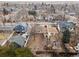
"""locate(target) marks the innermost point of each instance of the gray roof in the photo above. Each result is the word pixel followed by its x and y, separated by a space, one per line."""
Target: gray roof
pixel 18 39
pixel 65 24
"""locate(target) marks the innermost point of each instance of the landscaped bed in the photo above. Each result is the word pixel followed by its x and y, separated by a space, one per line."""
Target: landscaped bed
pixel 4 35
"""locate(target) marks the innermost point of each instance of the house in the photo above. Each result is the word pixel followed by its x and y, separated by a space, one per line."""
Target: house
pixel 72 14
pixel 21 27
pixel 62 25
pixel 73 19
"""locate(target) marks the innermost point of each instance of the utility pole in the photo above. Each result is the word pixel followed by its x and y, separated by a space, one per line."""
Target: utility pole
pixel 46 34
pixel 65 8
pixel 34 33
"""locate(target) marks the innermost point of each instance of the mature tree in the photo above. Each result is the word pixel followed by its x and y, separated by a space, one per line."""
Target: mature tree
pixel 5 12
pixel 32 13
pixel 7 52
pixel 35 7
pixel 23 52
pixel 66 36
pixel 66 39
pixel 15 52
pixel 53 9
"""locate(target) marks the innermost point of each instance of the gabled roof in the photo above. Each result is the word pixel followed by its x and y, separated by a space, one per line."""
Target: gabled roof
pixel 18 39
